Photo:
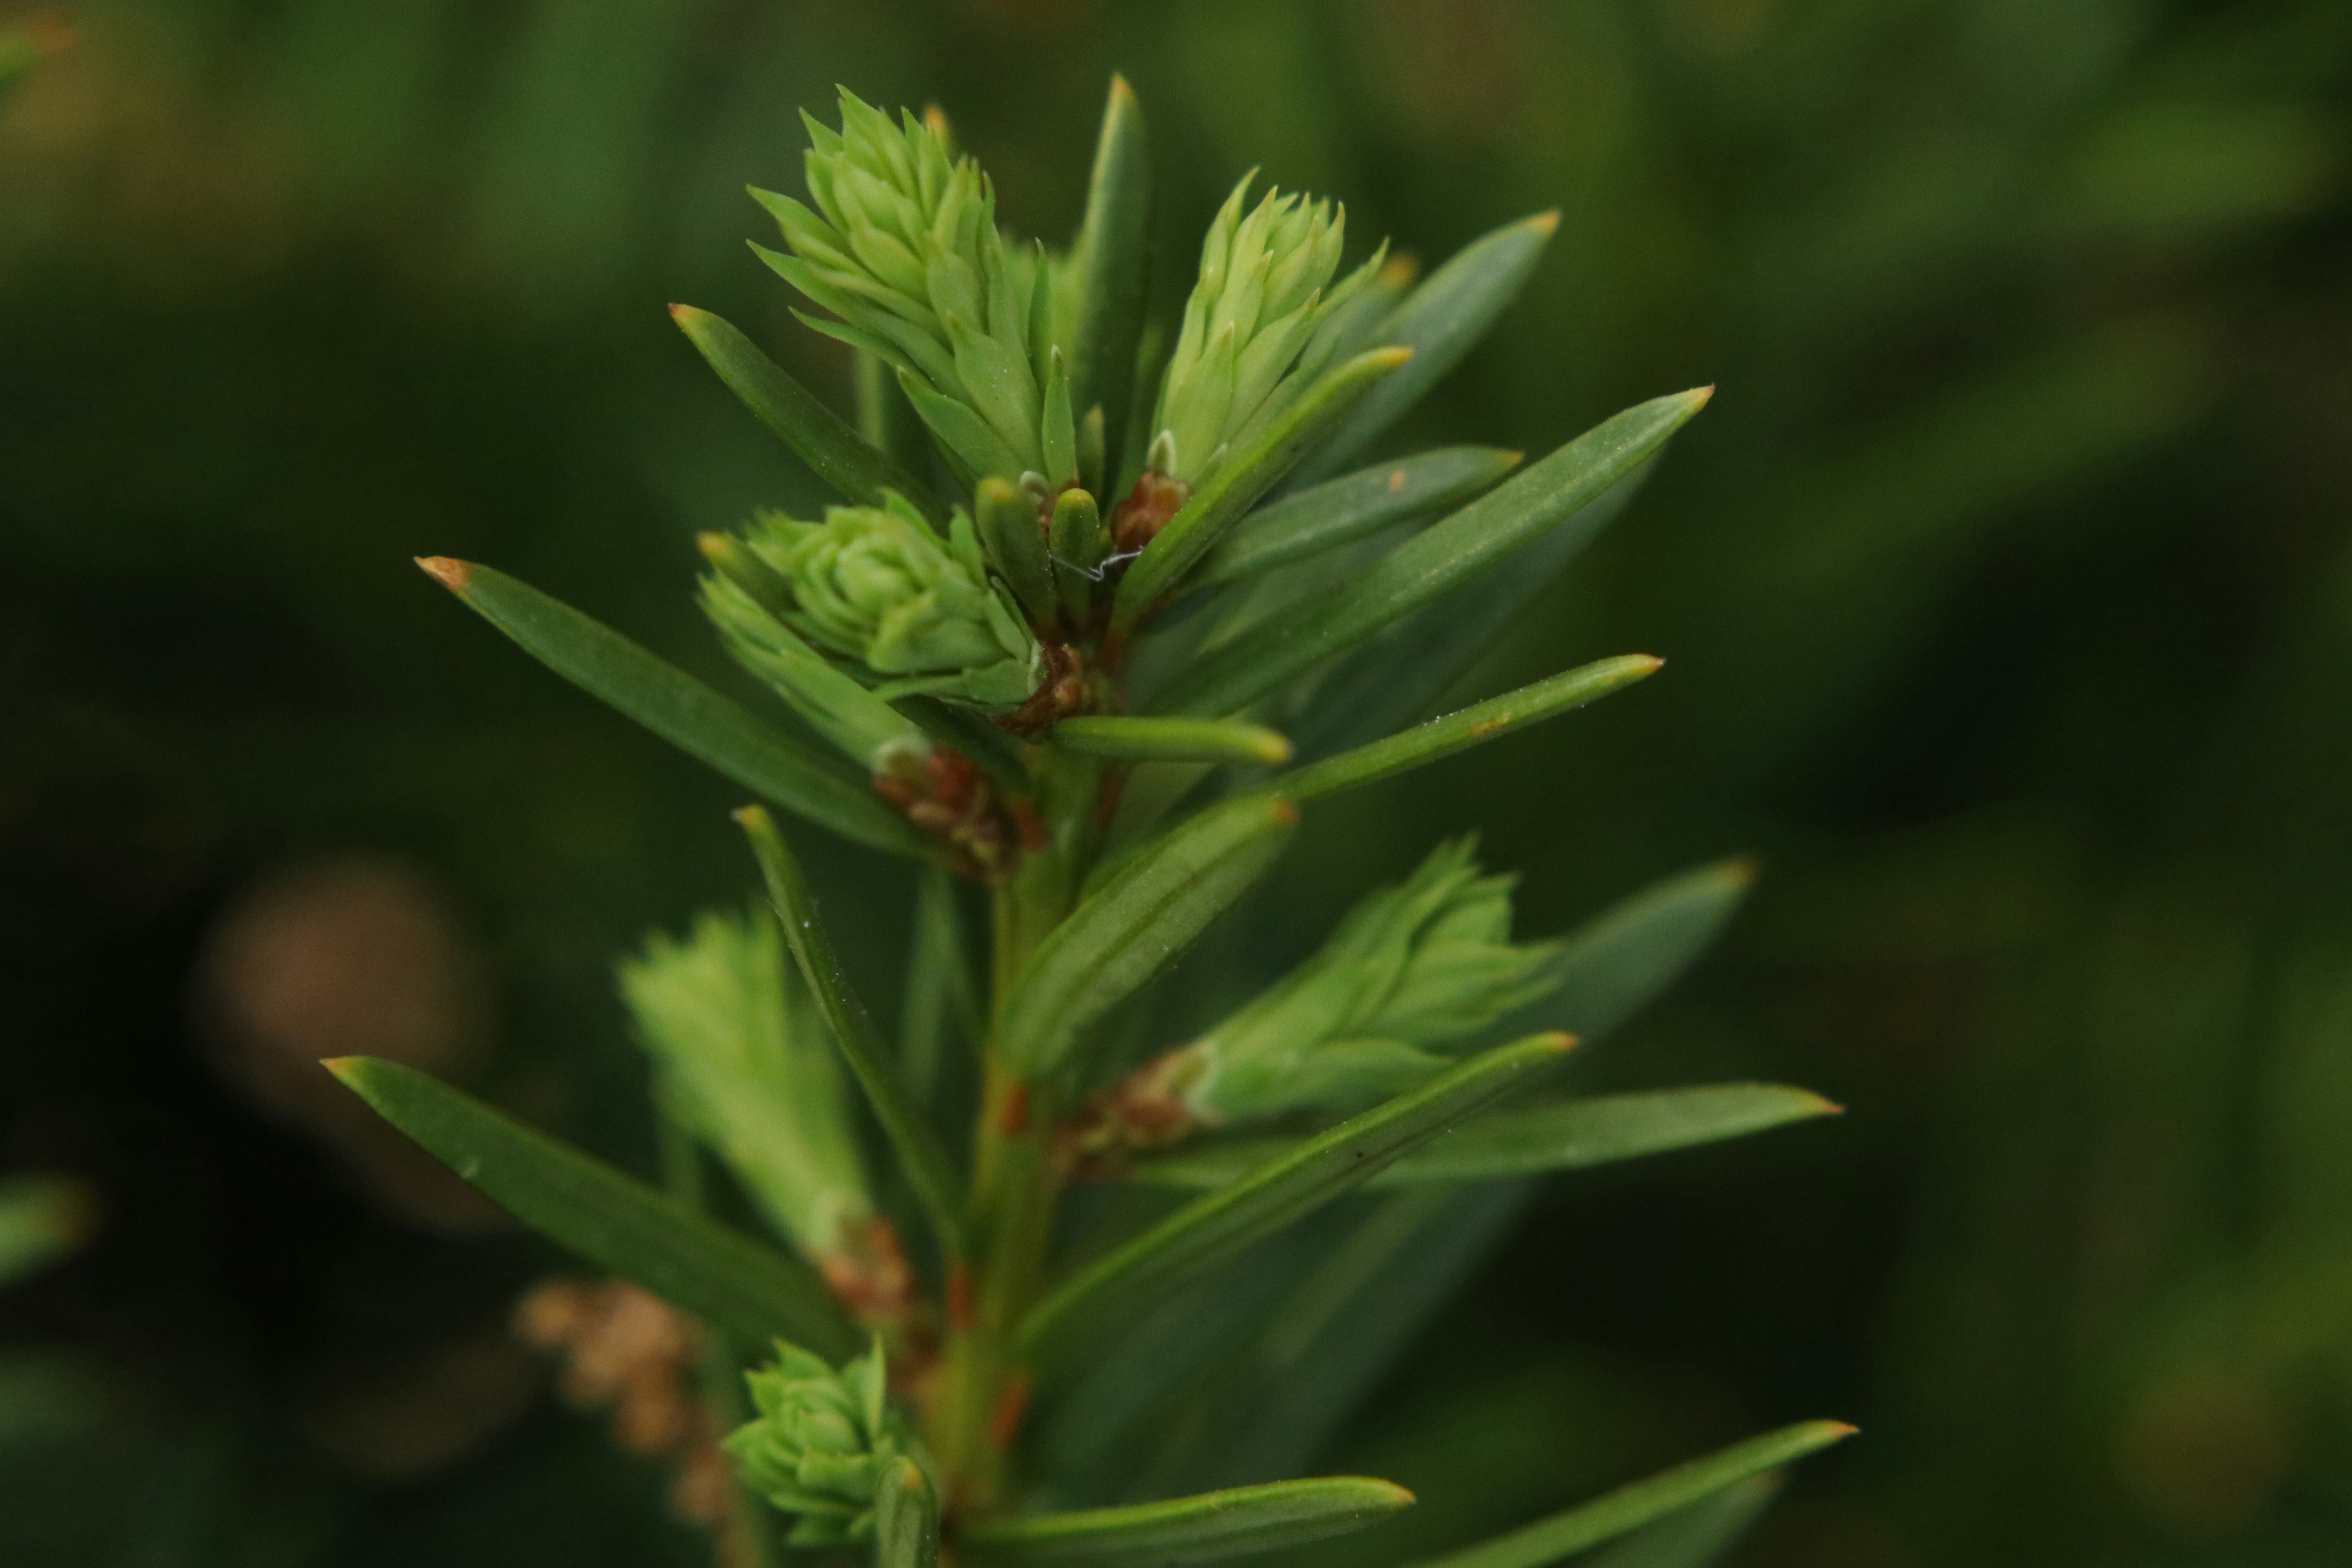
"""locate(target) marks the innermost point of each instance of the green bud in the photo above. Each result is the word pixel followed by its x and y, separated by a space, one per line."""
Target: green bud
pixel 1259 327
pixel 1418 964
pixel 744 1062
pixel 820 1444
pixel 903 247
pixel 875 588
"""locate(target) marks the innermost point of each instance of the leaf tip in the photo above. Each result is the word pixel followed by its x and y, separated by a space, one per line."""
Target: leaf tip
pixel 1820 1104
pixel 712 544
pixel 1560 1041
pixel 1739 871
pixel 1285 813
pixel 1120 93
pixel 1543 223
pixel 345 1069
pixel 1386 359
pixel 455 575
pixel 1699 397
pixel 1274 750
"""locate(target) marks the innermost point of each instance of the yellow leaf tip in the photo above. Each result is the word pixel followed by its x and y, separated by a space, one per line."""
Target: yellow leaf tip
pixel 341 1067
pixel 454 575
pixel 1701 396
pixel 1544 223
pixel 1120 89
pixel 1741 869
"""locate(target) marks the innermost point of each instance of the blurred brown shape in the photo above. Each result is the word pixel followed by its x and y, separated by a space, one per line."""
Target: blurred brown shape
pixel 626 1350
pixel 355 956
pixel 2205 1450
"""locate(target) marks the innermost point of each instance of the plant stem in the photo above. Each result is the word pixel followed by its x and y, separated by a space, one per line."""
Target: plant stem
pixel 983 1390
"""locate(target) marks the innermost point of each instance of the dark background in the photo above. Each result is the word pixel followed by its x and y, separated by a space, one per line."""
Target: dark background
pixel 2004 589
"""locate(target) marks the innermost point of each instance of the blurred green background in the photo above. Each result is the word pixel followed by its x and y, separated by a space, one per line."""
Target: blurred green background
pixel 2006 589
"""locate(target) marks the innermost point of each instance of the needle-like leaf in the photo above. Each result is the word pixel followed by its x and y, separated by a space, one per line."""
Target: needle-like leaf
pixel 1440 321
pixel 820 438
pixel 1142 918
pixel 1403 674
pixel 1572 1135
pixel 1203 1529
pixel 920 1155
pixel 1212 1229
pixel 1445 554
pixel 1111 256
pixel 1696 1536
pixel 1240 481
pixel 941 997
pixel 1174 740
pixel 1350 507
pixel 906 1517
pixel 1628 1508
pixel 1473 725
pixel 804 779
pixel 742 1289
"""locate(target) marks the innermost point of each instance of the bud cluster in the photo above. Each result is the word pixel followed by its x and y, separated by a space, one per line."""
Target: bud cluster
pixel 819 1444
pixel 743 1061
pixel 903 247
pixel 1416 965
pixel 1257 330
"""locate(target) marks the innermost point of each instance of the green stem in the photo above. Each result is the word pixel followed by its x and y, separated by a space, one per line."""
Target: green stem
pixel 983 1389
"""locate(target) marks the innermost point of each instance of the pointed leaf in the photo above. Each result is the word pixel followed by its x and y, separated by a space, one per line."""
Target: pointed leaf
pixel 800 777
pixel 1174 740
pixel 920 1155
pixel 1615 965
pixel 1351 508
pixel 1572 1135
pixel 942 999
pixel 1403 674
pixel 1212 1229
pixel 1473 725
pixel 742 1289
pixel 1111 256
pixel 1696 1536
pixel 1540 1544
pixel 1203 1529
pixel 1440 321
pixel 906 1517
pixel 1007 520
pixel 820 438
pixel 1447 554
pixel 1138 921
pixel 1242 478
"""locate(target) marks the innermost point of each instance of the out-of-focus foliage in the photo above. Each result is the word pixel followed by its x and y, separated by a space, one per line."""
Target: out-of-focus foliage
pixel 2006 591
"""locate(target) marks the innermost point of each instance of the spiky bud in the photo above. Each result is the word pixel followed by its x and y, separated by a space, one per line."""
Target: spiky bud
pixel 903 247
pixel 874 586
pixel 743 1061
pixel 1257 327
pixel 819 1444
pixel 1414 965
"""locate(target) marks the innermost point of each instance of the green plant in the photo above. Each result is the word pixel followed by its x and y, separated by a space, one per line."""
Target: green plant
pixel 1096 669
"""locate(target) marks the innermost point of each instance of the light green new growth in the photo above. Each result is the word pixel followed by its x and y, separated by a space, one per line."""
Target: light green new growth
pixel 1418 964
pixel 874 586
pixel 903 247
pixel 820 1444
pixel 743 1062
pixel 1257 330
pixel 1101 669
